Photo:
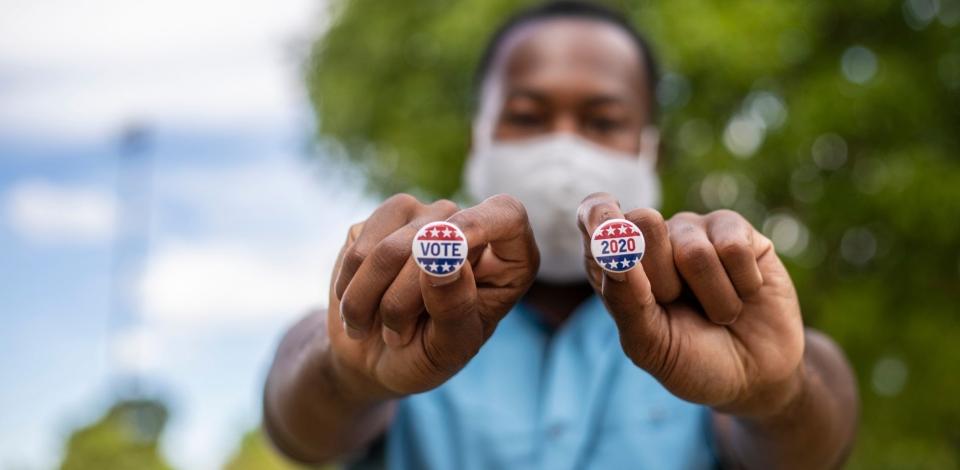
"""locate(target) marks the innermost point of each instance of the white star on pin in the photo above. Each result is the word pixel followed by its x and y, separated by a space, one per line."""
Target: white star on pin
pixel 446 267
pixel 447 232
pixel 434 232
pixel 434 266
pixel 609 231
pixel 620 229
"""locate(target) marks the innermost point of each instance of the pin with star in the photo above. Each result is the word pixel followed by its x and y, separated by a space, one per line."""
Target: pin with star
pixel 617 245
pixel 440 249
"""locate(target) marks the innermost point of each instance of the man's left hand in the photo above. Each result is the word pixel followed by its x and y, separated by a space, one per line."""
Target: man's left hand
pixel 712 314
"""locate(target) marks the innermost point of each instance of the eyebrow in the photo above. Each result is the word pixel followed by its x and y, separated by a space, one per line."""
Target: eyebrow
pixel 527 93
pixel 604 99
pixel 593 101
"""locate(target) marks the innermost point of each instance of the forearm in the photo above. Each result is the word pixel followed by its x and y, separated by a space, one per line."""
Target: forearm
pixel 814 430
pixel 311 412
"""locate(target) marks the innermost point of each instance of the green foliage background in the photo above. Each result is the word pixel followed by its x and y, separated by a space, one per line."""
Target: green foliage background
pixel 126 437
pixel 856 179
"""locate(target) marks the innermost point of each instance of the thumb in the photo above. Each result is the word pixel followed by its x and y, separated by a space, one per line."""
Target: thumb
pixel 644 329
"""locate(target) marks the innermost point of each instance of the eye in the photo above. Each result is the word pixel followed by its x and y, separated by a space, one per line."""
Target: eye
pixel 604 125
pixel 521 119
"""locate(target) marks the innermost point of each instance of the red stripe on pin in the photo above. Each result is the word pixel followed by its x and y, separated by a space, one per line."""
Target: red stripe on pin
pixel 617 245
pixel 440 249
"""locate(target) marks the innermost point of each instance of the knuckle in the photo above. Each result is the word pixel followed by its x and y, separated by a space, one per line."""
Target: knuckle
pixel 509 203
pixel 599 196
pixel 693 257
pixel 603 211
pixel 390 251
pixel 648 215
pixel 354 231
pixel 681 229
pixel 350 312
pixel 684 220
pixel 730 216
pixel 725 213
pixel 732 249
pixel 445 205
pixel 468 224
pixel 391 308
pixel 354 257
pixel 402 200
pixel 649 219
pixel 356 228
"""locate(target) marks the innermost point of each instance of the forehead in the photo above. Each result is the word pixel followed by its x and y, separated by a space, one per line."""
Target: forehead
pixel 570 53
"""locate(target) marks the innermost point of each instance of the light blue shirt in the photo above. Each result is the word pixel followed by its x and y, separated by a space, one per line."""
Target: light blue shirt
pixel 563 400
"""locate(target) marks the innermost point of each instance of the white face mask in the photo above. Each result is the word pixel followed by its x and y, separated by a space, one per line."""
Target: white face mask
pixel 551 175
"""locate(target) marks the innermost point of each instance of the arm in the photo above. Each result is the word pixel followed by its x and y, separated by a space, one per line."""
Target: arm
pixel 309 413
pixel 392 330
pixel 814 429
pixel 714 316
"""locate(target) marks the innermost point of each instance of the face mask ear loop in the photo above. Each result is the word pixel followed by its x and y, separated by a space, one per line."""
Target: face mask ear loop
pixel 650 145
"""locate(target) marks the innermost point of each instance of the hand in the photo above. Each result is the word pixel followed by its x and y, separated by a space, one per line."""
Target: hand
pixel 713 314
pixel 395 330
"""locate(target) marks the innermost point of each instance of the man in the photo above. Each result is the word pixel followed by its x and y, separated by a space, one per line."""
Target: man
pixel 531 356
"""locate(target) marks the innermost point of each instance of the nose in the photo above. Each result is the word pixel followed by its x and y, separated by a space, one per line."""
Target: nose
pixel 565 123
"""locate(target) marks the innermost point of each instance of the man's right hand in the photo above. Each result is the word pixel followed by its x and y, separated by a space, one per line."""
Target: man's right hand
pixel 395 330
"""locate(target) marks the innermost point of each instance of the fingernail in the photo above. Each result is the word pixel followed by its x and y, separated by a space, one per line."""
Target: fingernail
pixel 442 281
pixel 352 332
pixel 391 337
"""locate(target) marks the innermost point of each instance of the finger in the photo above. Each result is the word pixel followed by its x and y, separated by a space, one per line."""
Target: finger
pixel 362 296
pixel 378 271
pixel 499 240
pixel 455 330
pixel 401 306
pixel 596 209
pixel 640 320
pixel 335 326
pixel 698 263
pixel 394 213
pixel 658 257
pixel 732 237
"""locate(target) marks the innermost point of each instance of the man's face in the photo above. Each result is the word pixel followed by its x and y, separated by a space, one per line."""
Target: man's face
pixel 578 76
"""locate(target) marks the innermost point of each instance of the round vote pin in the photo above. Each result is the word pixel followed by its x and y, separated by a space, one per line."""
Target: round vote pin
pixel 617 245
pixel 440 248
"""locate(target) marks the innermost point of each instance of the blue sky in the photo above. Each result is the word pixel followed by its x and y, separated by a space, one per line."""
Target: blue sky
pixel 244 218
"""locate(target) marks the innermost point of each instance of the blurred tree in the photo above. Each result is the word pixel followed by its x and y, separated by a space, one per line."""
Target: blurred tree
pixel 833 126
pixel 256 453
pixel 125 438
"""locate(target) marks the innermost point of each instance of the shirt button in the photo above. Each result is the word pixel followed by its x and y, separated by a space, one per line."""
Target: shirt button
pixel 657 415
pixel 556 430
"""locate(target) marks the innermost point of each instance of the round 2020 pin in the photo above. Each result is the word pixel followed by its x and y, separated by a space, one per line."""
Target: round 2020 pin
pixel 440 249
pixel 617 245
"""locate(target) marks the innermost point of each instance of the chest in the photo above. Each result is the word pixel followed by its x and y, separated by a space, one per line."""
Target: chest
pixel 536 401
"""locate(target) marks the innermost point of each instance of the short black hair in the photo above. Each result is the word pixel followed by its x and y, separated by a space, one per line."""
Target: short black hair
pixel 578 10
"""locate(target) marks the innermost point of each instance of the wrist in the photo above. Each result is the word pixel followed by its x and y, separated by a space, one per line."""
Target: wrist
pixel 350 386
pixel 773 400
pixel 784 402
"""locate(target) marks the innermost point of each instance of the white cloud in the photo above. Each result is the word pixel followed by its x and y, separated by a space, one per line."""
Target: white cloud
pixel 228 283
pixel 136 350
pixel 82 69
pixel 266 236
pixel 46 212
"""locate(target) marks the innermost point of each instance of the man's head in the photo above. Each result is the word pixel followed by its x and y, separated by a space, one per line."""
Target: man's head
pixel 571 67
pixel 565 109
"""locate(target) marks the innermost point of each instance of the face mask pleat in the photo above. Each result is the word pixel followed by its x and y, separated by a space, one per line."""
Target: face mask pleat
pixel 550 175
